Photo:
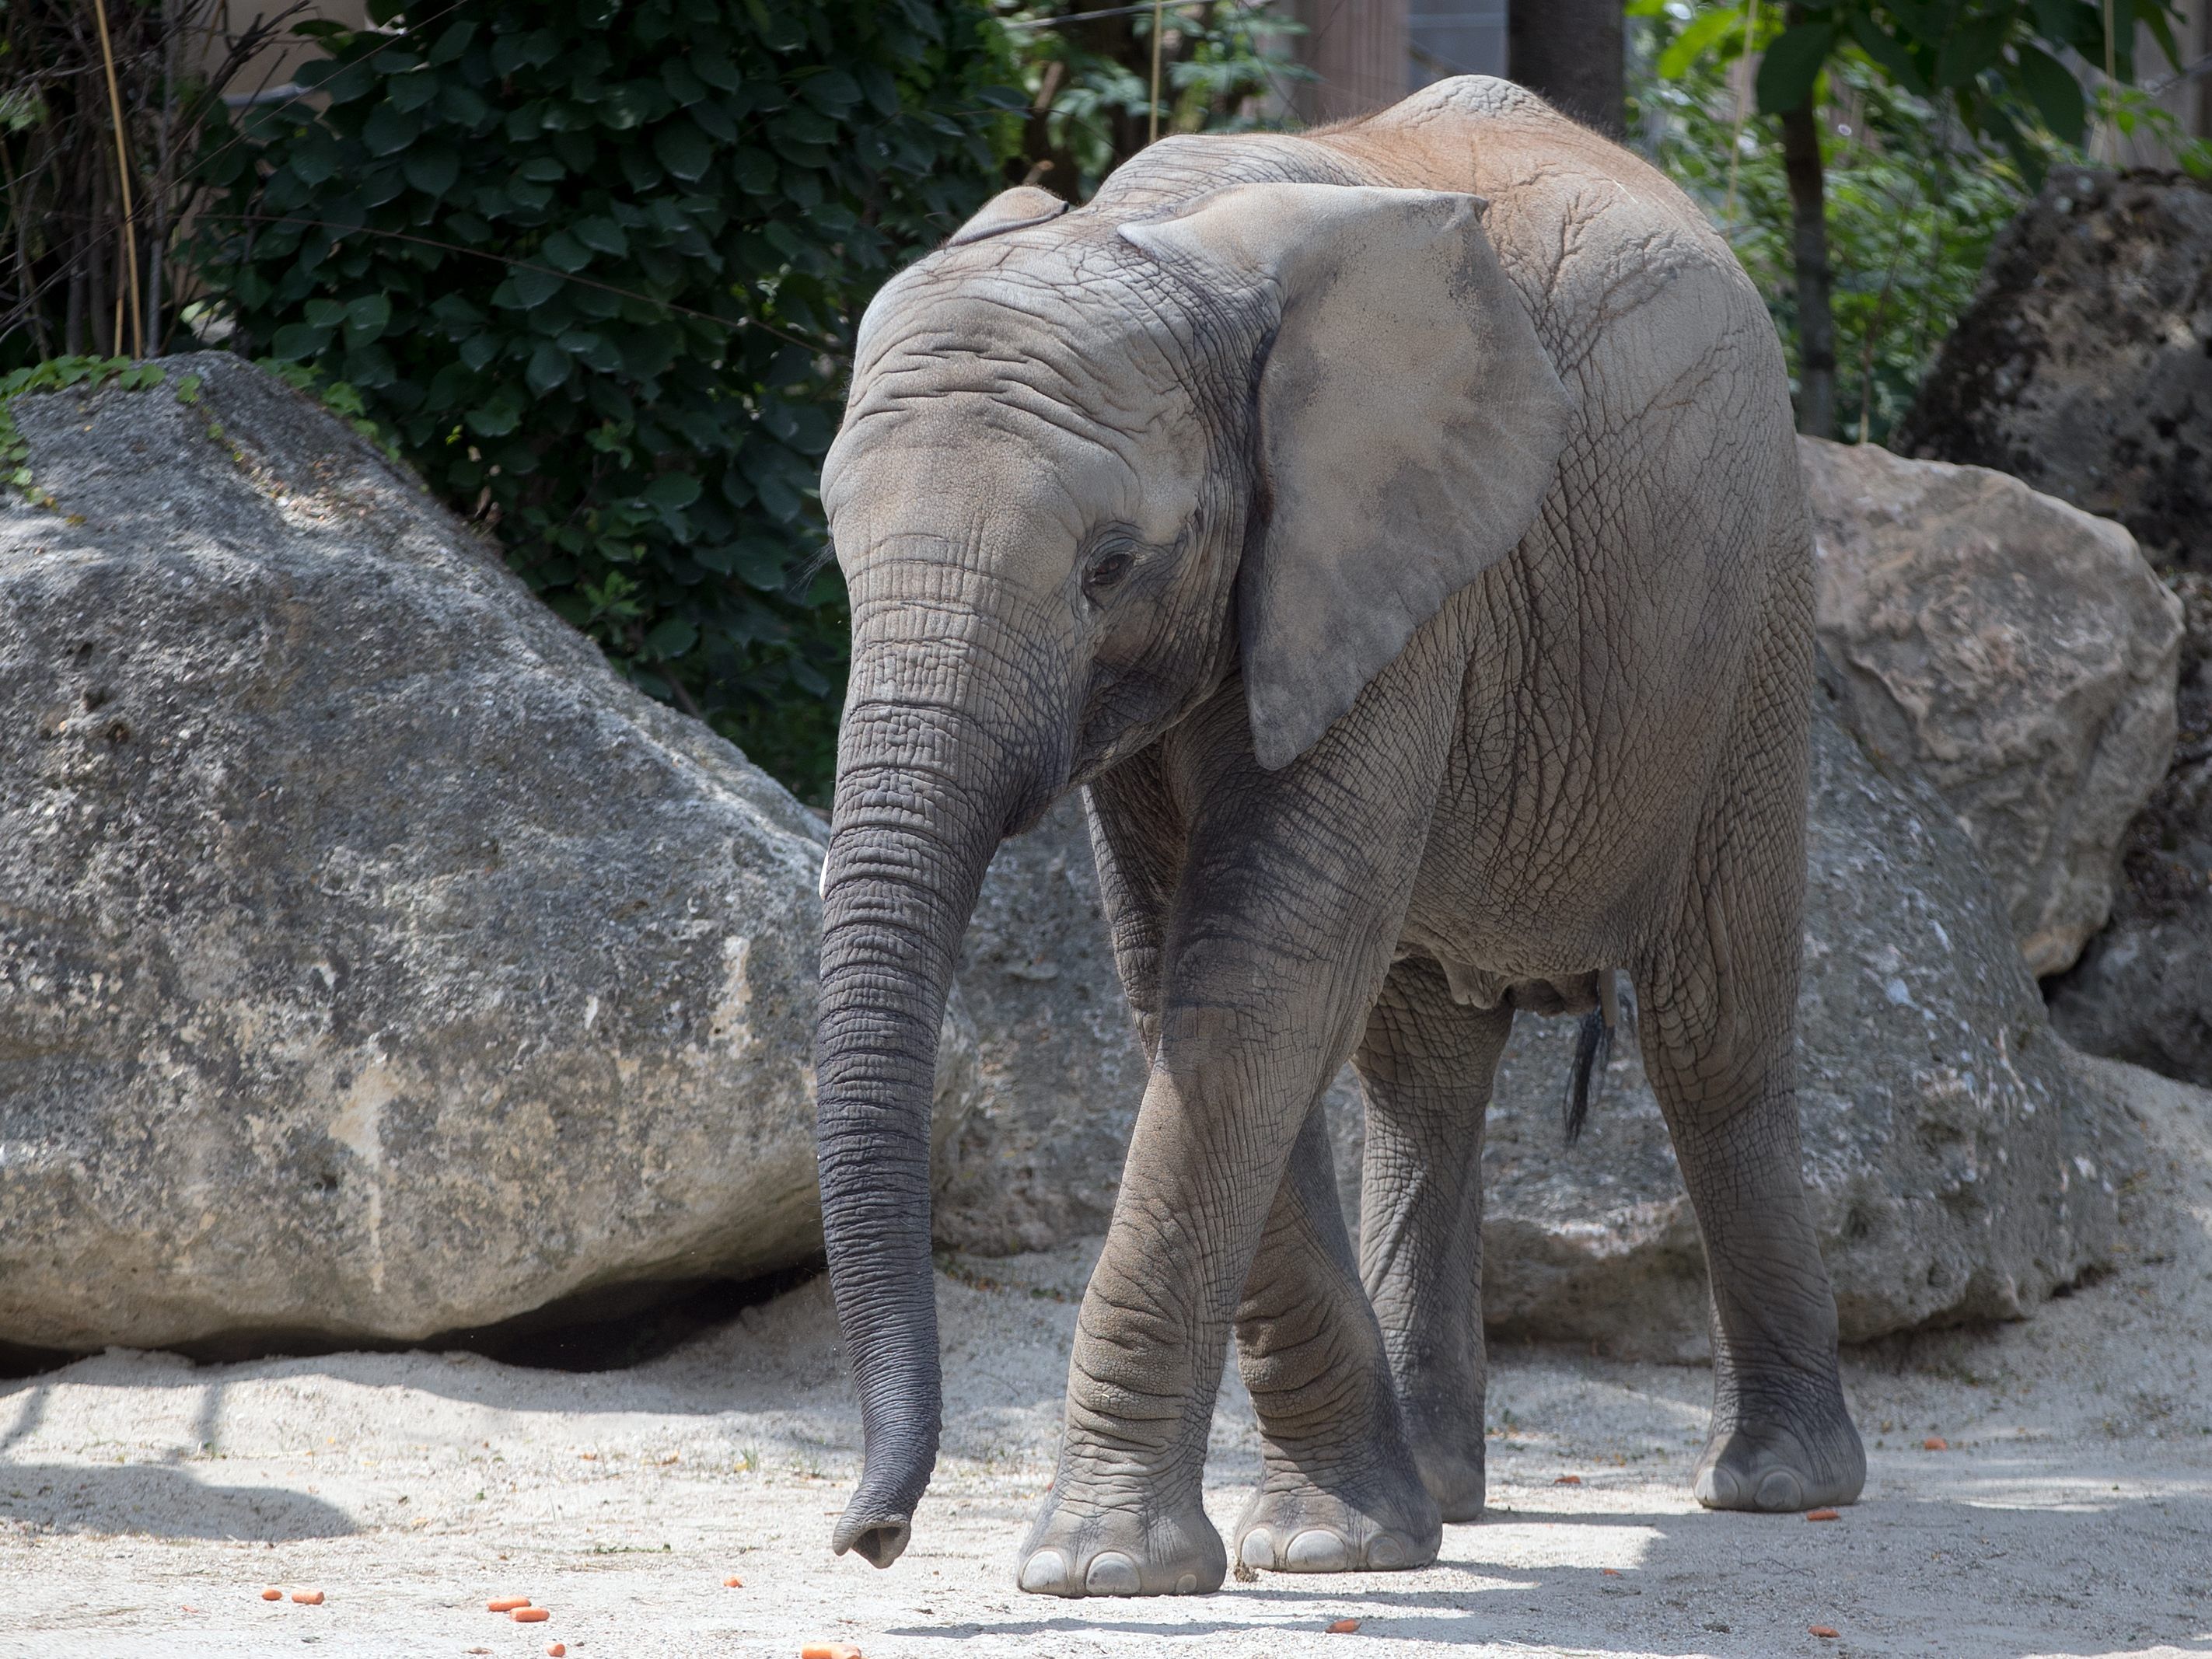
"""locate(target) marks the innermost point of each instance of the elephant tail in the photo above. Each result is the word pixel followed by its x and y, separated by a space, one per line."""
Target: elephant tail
pixel 1593 1053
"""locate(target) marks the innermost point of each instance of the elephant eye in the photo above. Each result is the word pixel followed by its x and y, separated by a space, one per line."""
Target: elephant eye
pixel 1107 568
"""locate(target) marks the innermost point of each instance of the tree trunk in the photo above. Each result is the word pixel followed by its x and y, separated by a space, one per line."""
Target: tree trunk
pixel 1808 225
pixel 1571 52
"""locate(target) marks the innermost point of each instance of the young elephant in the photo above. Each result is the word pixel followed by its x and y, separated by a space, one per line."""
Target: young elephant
pixel 1397 529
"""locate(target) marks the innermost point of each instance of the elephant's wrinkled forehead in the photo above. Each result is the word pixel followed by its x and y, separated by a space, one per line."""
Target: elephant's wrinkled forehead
pixel 1073 318
pixel 1032 369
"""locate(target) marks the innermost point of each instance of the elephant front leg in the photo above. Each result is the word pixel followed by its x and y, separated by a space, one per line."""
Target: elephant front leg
pixel 1339 1488
pixel 1426 1066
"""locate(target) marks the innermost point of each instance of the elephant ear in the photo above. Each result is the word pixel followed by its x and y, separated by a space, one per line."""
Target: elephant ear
pixel 1409 426
pixel 1010 210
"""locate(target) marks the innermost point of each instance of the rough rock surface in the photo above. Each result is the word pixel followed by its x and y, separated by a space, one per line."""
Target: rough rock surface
pixel 2084 364
pixel 2013 650
pixel 2142 991
pixel 374 961
pixel 1961 1160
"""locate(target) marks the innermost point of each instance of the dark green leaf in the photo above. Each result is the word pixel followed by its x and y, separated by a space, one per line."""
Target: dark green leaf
pixel 1974 46
pixel 296 342
pixel 431 168
pixel 548 368
pixel 564 251
pixel 533 286
pixel 389 131
pixel 2056 93
pixel 1792 63
pixel 683 148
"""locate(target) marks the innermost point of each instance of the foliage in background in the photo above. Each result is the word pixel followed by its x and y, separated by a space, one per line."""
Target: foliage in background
pixel 1226 66
pixel 1935 121
pixel 78 275
pixel 1912 212
pixel 597 283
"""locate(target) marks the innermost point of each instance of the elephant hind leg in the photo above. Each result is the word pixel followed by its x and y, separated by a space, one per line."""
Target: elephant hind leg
pixel 1426 1066
pixel 1719 1040
pixel 1339 1490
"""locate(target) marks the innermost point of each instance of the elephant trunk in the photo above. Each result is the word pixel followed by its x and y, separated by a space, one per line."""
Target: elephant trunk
pixel 925 792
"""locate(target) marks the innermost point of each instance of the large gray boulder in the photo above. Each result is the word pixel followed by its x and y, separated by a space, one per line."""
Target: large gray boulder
pixel 1961 1161
pixel 374 961
pixel 2142 991
pixel 2011 649
pixel 2084 364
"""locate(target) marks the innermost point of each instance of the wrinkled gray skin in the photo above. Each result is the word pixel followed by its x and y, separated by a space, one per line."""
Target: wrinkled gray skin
pixel 1422 593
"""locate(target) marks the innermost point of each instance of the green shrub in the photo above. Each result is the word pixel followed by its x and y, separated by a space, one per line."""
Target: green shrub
pixel 1913 203
pixel 593 268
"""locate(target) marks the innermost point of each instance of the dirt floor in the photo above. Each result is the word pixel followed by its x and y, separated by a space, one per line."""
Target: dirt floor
pixel 145 1503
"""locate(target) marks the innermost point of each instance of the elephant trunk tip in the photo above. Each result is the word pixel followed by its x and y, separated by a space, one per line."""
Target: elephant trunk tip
pixel 880 1537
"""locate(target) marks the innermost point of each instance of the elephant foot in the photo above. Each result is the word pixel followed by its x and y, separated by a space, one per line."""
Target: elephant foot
pixel 1777 1467
pixel 1096 1548
pixel 1378 1523
pixel 1455 1479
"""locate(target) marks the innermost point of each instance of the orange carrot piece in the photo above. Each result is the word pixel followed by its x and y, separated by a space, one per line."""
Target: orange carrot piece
pixel 1827 1633
pixel 557 1650
pixel 734 1582
pixel 829 1651
pixel 308 1598
pixel 505 1603
pixel 1344 1627
pixel 1935 1443
pixel 1822 1515
pixel 272 1595
pixel 1568 1480
pixel 529 1615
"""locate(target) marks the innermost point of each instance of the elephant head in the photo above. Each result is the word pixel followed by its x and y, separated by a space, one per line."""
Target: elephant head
pixel 1093 464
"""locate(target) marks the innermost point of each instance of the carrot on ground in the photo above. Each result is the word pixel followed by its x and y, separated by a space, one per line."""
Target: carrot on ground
pixel 308 1598
pixel 1822 1515
pixel 529 1615
pixel 1828 1631
pixel 1935 1443
pixel 1344 1627
pixel 505 1603
pixel 829 1651
pixel 1568 1480
pixel 734 1582
pixel 557 1650
pixel 272 1593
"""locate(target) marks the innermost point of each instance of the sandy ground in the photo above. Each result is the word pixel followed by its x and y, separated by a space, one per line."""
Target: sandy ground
pixel 145 1503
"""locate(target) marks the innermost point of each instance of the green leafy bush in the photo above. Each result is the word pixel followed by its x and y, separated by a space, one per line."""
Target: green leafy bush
pixel 593 268
pixel 1913 202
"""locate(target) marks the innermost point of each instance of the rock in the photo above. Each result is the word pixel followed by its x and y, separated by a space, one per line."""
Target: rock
pixel 2013 650
pixel 374 961
pixel 1039 1160
pixel 2142 991
pixel 1962 1160
pixel 2084 364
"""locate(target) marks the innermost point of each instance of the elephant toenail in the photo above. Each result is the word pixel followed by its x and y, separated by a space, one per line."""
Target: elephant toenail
pixel 1112 1573
pixel 1780 1491
pixel 1045 1574
pixel 1316 1551
pixel 1385 1553
pixel 1717 1489
pixel 1187 1584
pixel 1258 1549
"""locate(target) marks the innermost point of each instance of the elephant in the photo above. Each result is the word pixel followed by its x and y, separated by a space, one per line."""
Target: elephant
pixel 1395 529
